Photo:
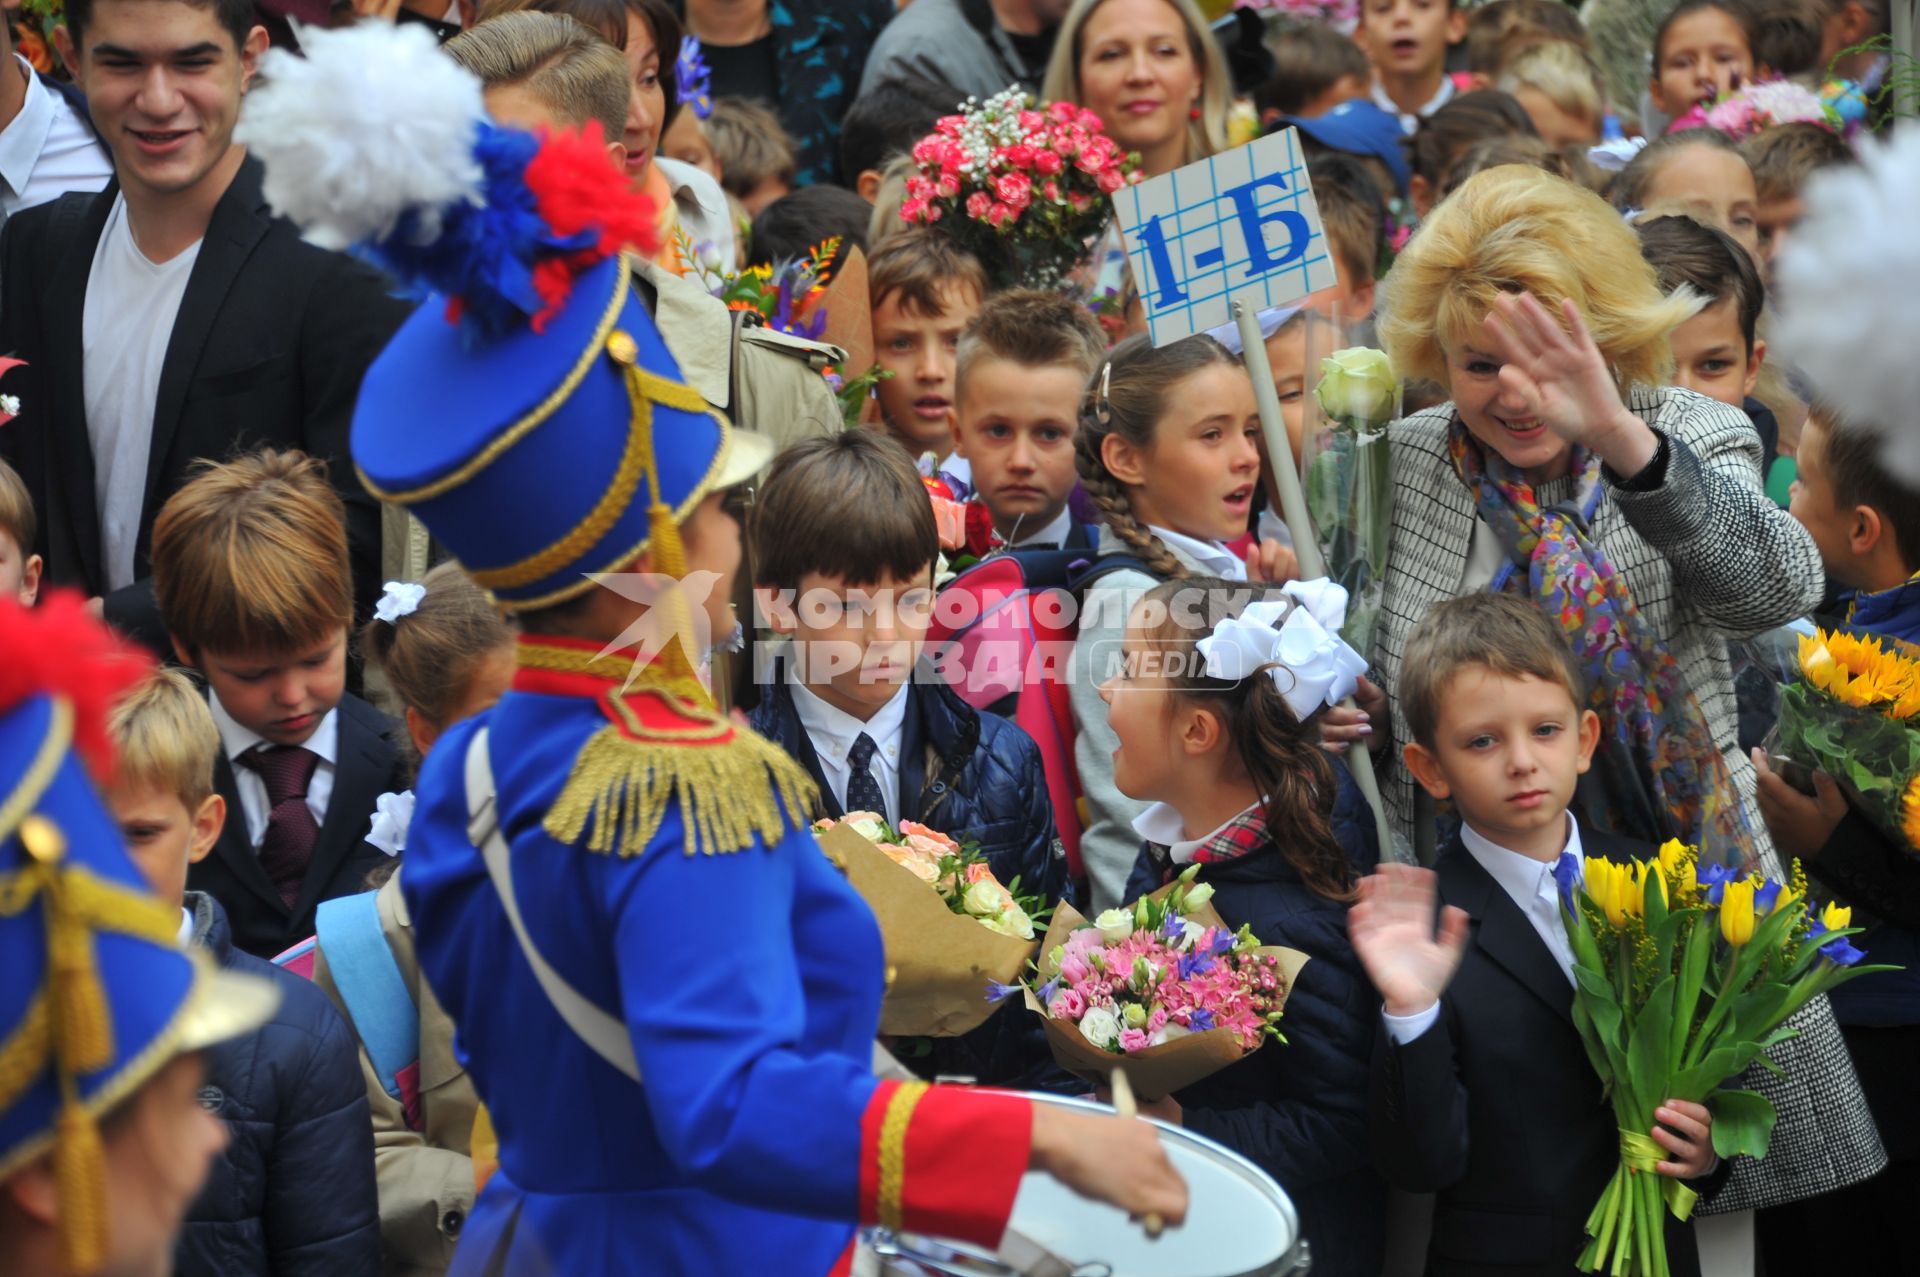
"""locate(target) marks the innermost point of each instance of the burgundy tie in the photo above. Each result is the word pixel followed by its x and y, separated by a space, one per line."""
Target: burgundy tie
pixel 287 846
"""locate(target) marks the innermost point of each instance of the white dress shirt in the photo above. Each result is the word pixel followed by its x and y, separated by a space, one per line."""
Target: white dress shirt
pixel 1410 123
pixel 1213 556
pixel 1530 884
pixel 833 732
pixel 1161 824
pixel 1054 532
pixel 47 150
pixel 237 740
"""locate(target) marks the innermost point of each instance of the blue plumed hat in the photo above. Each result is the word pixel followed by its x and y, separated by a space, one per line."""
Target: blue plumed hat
pixel 528 412
pixel 96 991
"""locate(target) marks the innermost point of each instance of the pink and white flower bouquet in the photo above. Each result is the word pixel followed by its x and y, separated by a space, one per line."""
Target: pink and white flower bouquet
pixel 1164 987
pixel 942 944
pixel 1755 108
pixel 1024 188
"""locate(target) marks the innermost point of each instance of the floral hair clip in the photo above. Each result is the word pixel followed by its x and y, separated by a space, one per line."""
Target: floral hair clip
pixel 402 598
pixel 1296 640
pixel 693 78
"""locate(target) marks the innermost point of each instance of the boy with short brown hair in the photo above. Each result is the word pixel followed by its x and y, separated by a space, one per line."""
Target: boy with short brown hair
pixel 1021 372
pixel 1354 234
pixel 924 290
pixel 1407 42
pixel 1783 159
pixel 1315 69
pixel 1495 704
pixel 755 155
pixel 19 565
pixel 250 575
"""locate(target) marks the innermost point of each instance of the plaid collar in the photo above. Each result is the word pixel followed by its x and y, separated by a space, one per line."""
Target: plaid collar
pixel 1245 833
pixel 1160 826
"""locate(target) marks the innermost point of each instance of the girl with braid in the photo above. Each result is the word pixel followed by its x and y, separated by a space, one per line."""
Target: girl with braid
pixel 1168 449
pixel 1216 731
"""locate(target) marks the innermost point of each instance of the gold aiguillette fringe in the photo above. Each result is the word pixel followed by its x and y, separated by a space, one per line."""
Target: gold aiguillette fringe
pixel 617 794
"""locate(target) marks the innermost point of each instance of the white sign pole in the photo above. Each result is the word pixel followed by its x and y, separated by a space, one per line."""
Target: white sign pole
pixel 1306 542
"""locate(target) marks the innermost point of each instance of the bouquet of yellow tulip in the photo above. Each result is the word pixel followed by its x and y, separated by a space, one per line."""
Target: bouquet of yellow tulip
pixel 1683 978
pixel 1855 714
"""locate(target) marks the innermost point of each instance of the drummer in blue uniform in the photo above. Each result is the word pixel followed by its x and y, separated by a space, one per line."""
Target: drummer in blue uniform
pixel 103 1009
pixel 665 994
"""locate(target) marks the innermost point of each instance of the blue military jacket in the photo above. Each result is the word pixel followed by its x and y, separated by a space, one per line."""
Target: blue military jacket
pixel 750 980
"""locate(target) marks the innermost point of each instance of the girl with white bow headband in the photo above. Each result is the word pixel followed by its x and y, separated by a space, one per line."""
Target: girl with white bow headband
pixel 1214 709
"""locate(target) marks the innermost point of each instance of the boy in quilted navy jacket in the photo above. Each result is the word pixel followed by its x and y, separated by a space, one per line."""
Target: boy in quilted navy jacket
pixel 844 544
pixel 293 1193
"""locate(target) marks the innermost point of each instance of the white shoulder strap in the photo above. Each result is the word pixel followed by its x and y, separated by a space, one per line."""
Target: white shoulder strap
pixel 605 1035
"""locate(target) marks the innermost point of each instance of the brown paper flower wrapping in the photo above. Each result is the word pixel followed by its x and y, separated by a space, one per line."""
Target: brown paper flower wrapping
pixel 1161 1070
pixel 939 963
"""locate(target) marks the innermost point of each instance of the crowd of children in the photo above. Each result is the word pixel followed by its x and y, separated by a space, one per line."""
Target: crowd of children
pixel 1604 483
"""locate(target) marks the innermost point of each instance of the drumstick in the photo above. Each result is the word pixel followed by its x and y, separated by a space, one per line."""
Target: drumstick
pixel 1123 1104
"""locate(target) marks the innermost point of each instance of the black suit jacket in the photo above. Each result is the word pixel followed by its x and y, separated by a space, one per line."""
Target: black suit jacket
pixel 1496 1107
pixel 370 764
pixel 267 350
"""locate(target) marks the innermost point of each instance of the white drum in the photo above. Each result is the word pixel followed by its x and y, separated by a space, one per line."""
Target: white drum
pixel 1240 1223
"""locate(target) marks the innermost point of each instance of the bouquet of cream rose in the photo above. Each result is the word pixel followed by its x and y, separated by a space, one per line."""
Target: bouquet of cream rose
pixel 941 943
pixel 1349 486
pixel 1164 987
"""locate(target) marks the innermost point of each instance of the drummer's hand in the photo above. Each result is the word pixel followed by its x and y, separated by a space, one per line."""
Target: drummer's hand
pixel 1109 1159
pixel 1393 934
pixel 1272 563
pixel 1341 725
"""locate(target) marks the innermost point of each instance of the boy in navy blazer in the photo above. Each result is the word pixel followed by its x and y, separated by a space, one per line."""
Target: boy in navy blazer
pixel 1481 1090
pixel 250 571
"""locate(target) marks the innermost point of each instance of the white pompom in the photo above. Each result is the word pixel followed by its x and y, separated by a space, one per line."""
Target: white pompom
pixel 374 121
pixel 1849 283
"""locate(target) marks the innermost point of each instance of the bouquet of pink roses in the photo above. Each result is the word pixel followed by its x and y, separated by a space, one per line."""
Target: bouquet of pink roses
pixel 1164 987
pixel 942 943
pixel 1023 188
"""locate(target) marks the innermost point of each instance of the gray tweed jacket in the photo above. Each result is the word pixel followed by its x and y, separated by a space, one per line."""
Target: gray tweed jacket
pixel 1707 558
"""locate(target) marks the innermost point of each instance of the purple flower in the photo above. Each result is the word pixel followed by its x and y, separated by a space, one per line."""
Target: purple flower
pixel 1200 1021
pixel 1840 951
pixel 1764 898
pixel 997 992
pixel 1714 879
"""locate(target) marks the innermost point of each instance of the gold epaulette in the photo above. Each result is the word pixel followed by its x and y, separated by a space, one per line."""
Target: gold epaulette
pixel 664 738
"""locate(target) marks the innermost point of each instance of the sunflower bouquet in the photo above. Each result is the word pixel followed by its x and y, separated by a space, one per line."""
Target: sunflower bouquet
pixel 1854 713
pixel 1683 977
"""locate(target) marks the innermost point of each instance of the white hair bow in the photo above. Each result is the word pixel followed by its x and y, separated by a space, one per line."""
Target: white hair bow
pixel 402 598
pixel 1309 662
pixel 1615 154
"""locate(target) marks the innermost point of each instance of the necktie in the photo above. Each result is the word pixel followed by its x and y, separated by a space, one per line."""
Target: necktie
pixel 286 847
pixel 1566 872
pixel 863 791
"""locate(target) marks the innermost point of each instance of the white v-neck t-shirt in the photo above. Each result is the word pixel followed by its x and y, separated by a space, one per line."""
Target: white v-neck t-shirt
pixel 124 331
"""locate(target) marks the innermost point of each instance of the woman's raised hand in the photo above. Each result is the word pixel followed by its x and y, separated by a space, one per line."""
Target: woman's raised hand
pixel 1392 928
pixel 1563 378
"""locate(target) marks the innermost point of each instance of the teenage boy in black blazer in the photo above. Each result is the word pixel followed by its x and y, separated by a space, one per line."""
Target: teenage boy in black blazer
pixel 1481 1090
pixel 171 317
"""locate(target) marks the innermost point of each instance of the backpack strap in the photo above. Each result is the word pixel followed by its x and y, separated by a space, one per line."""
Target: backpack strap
pixel 1107 565
pixel 604 1035
pixel 368 977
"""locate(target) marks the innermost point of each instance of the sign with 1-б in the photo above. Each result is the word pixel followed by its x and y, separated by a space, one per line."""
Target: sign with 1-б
pixel 1238 226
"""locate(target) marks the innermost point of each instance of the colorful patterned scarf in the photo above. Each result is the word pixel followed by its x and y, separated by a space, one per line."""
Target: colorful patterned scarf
pixel 1658 774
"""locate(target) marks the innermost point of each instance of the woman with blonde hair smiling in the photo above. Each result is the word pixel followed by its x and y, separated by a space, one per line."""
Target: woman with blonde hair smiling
pixel 1151 71
pixel 1565 469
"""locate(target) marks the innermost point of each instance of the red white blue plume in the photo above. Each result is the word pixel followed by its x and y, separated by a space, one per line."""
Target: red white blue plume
pixel 1847 280
pixel 378 142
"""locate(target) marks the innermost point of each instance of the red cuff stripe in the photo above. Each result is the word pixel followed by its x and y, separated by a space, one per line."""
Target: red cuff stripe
pixel 965 1152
